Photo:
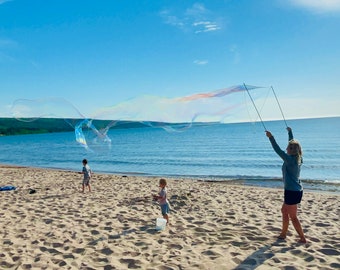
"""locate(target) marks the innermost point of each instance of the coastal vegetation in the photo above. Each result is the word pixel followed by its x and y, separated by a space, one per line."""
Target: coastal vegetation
pixel 12 126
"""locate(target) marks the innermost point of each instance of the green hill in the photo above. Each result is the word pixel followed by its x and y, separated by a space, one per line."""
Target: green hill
pixel 12 126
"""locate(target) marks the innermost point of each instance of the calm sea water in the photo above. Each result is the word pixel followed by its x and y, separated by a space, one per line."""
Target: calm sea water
pixel 208 152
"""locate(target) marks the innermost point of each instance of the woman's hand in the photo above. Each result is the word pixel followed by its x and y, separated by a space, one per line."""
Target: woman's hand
pixel 269 134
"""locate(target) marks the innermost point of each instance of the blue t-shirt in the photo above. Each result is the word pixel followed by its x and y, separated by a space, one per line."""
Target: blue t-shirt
pixel 290 167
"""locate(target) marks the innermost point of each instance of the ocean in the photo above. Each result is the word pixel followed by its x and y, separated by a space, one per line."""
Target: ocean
pixel 209 152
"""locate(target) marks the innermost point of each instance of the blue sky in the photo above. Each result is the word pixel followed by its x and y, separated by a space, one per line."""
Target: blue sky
pixel 100 53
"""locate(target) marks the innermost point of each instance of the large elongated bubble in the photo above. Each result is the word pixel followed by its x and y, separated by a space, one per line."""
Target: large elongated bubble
pixel 171 114
pixel 30 110
pixel 86 134
pixel 92 138
pixel 202 107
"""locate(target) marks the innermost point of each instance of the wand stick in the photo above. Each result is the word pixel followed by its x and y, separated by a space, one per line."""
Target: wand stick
pixel 278 103
pixel 255 106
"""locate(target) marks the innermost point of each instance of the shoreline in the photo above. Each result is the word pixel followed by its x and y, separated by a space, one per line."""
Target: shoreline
pixel 318 186
pixel 213 225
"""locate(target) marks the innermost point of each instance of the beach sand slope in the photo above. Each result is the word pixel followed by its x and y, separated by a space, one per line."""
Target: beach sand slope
pixel 213 225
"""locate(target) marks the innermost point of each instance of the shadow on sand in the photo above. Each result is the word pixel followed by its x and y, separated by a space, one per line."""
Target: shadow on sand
pixel 147 229
pixel 258 257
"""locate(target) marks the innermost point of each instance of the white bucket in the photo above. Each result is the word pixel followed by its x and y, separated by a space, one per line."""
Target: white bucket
pixel 160 224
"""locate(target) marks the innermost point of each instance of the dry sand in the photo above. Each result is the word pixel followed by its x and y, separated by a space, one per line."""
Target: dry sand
pixel 212 225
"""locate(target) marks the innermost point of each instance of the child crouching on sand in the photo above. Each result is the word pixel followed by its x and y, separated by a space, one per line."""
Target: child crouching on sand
pixel 162 199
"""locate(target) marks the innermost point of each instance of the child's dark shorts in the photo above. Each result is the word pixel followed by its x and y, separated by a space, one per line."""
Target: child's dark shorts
pixel 86 181
pixel 293 197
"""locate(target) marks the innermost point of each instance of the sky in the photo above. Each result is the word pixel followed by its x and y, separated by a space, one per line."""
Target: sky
pixel 97 54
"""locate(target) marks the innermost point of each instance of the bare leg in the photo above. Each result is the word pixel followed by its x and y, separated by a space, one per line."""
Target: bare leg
pixel 292 212
pixel 167 218
pixel 83 188
pixel 89 186
pixel 285 222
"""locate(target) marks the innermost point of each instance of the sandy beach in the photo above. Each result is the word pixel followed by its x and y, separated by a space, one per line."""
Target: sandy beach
pixel 213 225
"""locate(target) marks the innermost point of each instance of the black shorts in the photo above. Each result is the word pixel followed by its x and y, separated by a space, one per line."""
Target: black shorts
pixel 293 197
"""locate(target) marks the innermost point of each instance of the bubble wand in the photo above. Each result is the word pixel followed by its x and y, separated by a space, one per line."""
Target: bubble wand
pixel 255 106
pixel 278 103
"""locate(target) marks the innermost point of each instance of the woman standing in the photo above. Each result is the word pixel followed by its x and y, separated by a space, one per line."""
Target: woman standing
pixel 293 191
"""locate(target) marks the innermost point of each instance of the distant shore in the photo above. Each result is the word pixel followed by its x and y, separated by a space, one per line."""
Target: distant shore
pixel 213 225
pixel 24 126
pixel 276 183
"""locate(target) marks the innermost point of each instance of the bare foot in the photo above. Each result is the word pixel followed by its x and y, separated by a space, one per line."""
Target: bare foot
pixel 302 241
pixel 281 237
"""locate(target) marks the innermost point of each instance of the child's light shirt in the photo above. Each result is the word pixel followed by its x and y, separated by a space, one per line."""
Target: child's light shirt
pixel 162 194
pixel 87 172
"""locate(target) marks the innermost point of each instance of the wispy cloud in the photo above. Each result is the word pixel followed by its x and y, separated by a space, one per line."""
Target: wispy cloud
pixel 7 43
pixel 4 1
pixel 5 58
pixel 171 19
pixel 201 62
pixel 233 49
pixel 205 26
pixel 196 10
pixel 318 5
pixel 196 18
